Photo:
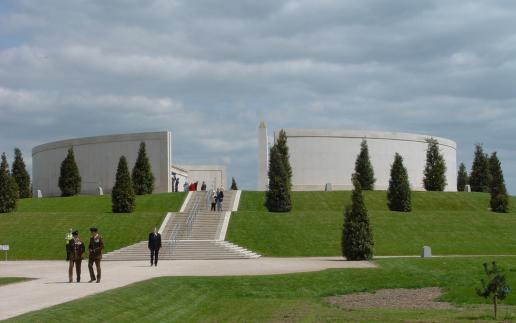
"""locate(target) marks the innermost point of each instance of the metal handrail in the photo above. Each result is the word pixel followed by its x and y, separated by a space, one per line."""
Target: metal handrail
pixel 184 230
pixel 174 236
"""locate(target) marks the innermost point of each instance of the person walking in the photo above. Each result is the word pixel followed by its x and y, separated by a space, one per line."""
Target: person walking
pixel 96 245
pixel 220 199
pixel 76 247
pixel 154 246
pixel 68 237
pixel 203 186
pixel 213 200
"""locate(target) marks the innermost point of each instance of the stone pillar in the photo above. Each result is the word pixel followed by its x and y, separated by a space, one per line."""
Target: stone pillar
pixel 263 157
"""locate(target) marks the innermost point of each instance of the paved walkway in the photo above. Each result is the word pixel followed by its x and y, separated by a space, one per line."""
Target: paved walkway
pixel 51 285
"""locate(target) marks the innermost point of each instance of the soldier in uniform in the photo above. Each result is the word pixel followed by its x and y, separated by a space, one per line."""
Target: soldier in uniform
pixel 68 237
pixel 76 248
pixel 96 245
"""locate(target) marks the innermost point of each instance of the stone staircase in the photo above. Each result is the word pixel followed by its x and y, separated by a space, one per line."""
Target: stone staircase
pixel 194 233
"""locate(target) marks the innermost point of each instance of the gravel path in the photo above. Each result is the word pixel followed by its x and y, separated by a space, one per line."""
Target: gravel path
pixel 51 285
pixel 400 298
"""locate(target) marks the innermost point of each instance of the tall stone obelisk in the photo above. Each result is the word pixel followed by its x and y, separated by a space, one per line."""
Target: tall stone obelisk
pixel 263 157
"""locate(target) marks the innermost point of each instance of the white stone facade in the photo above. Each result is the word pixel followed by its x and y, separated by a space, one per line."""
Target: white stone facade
pixel 319 157
pixel 263 157
pixel 213 175
pixel 97 159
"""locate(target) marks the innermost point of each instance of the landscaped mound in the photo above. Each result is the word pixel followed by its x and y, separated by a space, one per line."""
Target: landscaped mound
pixel 450 223
pixel 37 230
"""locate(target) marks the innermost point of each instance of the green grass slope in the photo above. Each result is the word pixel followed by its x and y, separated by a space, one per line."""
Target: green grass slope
pixel 451 223
pixel 37 229
pixel 292 298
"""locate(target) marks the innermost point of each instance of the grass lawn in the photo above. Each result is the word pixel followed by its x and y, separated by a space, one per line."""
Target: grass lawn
pixel 451 223
pixel 37 229
pixel 294 297
pixel 11 280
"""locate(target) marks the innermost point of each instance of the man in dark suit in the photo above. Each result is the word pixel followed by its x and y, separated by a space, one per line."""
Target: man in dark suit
pixel 154 246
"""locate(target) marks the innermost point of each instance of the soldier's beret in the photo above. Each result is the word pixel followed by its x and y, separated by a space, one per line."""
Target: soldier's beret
pixel 75 233
pixel 93 229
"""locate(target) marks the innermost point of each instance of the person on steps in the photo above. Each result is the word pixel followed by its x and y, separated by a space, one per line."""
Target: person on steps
pixel 154 246
pixel 213 200
pixel 220 199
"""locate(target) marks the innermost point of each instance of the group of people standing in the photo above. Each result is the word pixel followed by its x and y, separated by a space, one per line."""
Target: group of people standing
pixel 74 252
pixel 216 198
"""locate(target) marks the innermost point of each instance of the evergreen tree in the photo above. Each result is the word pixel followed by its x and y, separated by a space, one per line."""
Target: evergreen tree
pixel 364 169
pixel 234 186
pixel 435 169
pixel 281 143
pixel 70 179
pixel 399 194
pixel 357 237
pixel 123 199
pixel 499 198
pixel 8 188
pixel 143 179
pixel 479 175
pixel 277 198
pixel 462 178
pixel 20 174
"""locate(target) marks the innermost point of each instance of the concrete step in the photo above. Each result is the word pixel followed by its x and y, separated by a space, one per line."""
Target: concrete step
pixel 201 243
pixel 184 249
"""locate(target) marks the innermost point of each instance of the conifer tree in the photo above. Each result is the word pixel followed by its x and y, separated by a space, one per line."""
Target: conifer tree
pixel 479 175
pixel 70 179
pixel 277 198
pixel 234 186
pixel 462 178
pixel 499 197
pixel 357 238
pixel 435 169
pixel 399 194
pixel 123 199
pixel 8 188
pixel 20 174
pixel 143 179
pixel 364 169
pixel 281 143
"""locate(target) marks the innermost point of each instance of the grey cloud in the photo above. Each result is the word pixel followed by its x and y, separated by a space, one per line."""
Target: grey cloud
pixel 209 71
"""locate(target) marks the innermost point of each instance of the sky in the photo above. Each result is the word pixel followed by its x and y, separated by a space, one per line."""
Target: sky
pixel 210 71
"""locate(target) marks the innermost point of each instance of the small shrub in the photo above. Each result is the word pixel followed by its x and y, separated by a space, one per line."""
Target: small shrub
pixel 494 286
pixel 234 186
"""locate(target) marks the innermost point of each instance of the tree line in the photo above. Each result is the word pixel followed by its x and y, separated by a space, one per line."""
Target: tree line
pixel 357 239
pixel 15 183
